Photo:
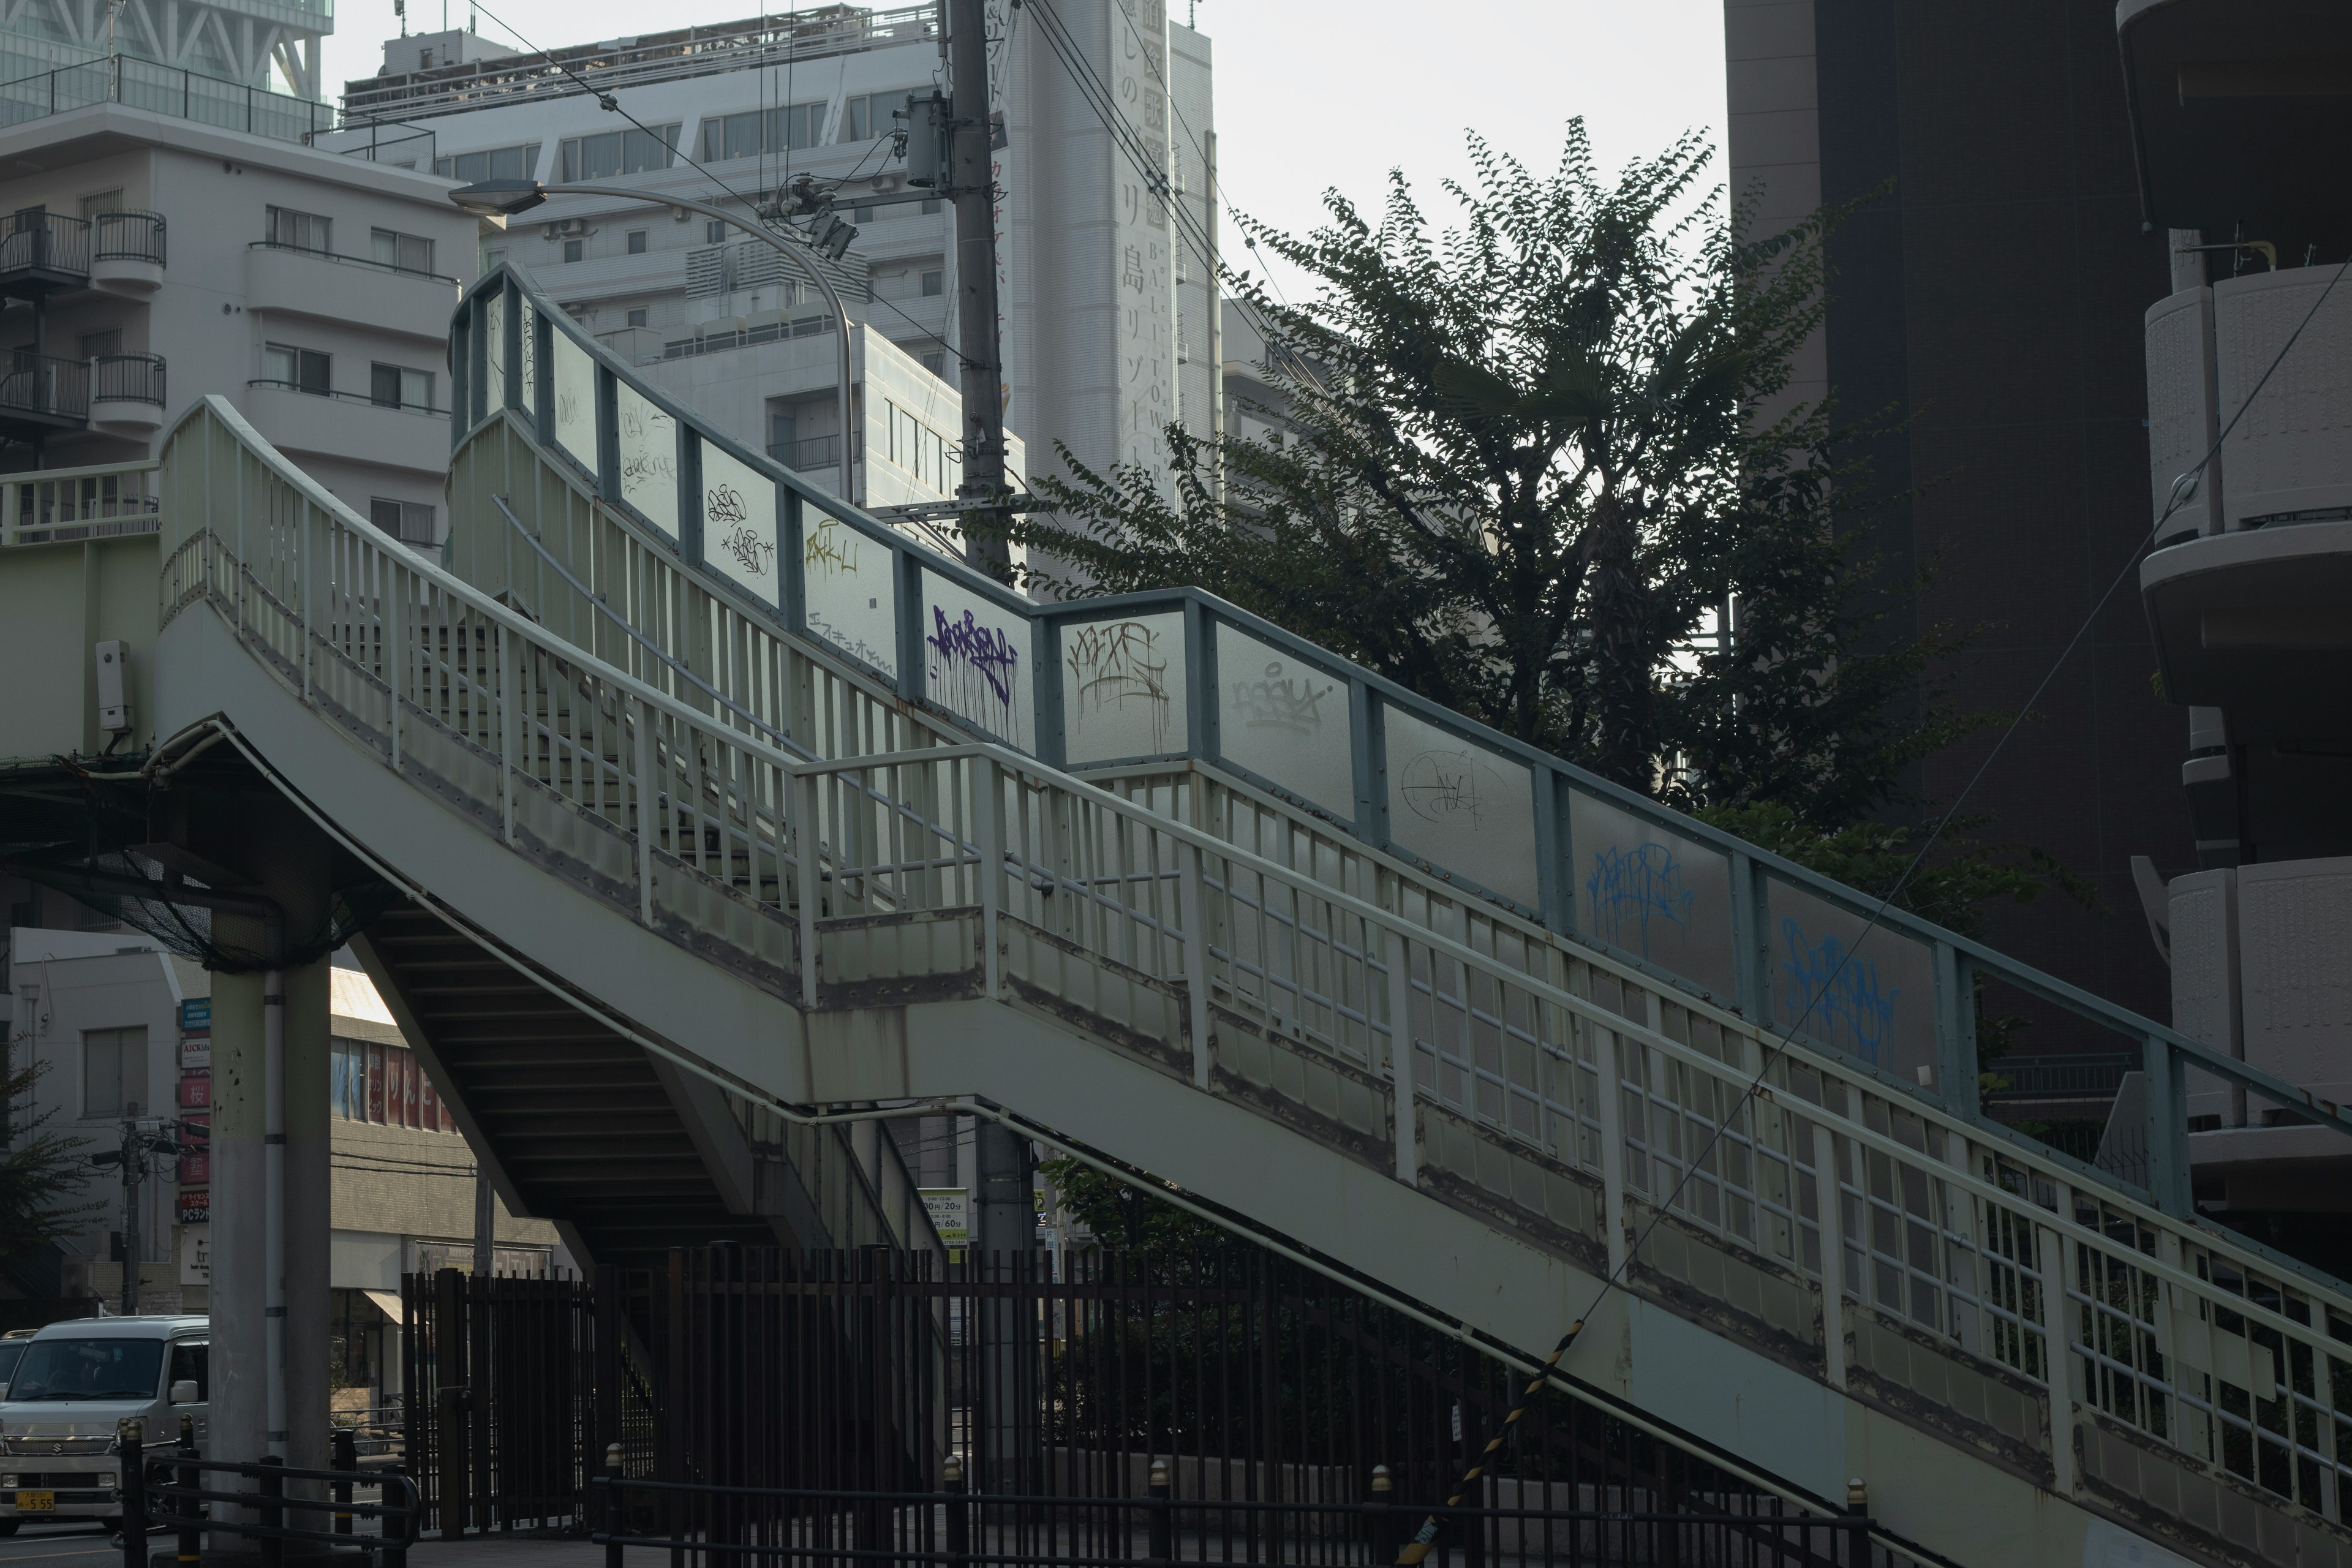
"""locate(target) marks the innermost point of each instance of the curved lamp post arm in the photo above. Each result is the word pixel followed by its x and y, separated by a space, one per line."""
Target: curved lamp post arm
pixel 519 196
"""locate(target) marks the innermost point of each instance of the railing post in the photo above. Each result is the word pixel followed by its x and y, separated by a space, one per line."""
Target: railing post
pixel 1192 908
pixel 514 722
pixel 273 1508
pixel 1956 1045
pixel 648 814
pixel 191 1540
pixel 1829 1199
pixel 130 1434
pixel 1857 1523
pixel 1162 1533
pixel 616 1513
pixel 1609 1076
pixel 958 1517
pixel 988 809
pixel 346 1458
pixel 1383 1520
pixel 2058 1353
pixel 1406 1130
pixel 2168 1127
pixel 809 882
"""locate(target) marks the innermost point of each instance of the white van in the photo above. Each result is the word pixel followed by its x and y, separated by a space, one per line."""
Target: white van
pixel 73 1382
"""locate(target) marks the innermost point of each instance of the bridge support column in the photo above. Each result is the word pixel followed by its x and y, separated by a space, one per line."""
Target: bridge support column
pixel 290 868
pixel 1008 1229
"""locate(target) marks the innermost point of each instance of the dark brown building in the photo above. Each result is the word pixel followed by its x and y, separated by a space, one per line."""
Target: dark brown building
pixel 1988 296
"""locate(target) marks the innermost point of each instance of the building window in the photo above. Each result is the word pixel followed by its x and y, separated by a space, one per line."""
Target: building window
pixel 99 202
pixel 618 153
pixel 572 250
pixel 497 164
pixel 637 317
pixel 638 240
pixel 493 259
pixel 936 362
pixel 397 386
pixel 405 252
pixel 861 215
pixel 934 283
pixel 410 522
pixel 714 231
pixel 384 1084
pixel 931 206
pixel 299 231
pixel 750 134
pixel 113 1072
pixel 304 370
pixel 876 114
pixel 108 342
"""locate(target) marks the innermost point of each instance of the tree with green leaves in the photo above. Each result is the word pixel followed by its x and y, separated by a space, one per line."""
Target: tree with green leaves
pixel 43 1173
pixel 1522 467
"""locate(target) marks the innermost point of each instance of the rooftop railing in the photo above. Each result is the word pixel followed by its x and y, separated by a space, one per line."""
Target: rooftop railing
pixel 164 90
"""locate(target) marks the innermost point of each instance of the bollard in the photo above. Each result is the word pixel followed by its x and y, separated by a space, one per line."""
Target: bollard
pixel 616 1514
pixel 1163 1534
pixel 393 1553
pixel 1857 1526
pixel 273 1508
pixel 1384 1548
pixel 189 1510
pixel 959 1523
pixel 347 1457
pixel 130 1434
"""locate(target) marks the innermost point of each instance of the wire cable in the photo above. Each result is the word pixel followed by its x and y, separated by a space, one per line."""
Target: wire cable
pixel 1827 1183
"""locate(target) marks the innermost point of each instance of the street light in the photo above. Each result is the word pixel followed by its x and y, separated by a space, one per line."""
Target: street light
pixel 505 198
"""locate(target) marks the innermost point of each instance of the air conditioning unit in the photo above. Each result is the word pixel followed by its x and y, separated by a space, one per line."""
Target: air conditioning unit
pixel 568 228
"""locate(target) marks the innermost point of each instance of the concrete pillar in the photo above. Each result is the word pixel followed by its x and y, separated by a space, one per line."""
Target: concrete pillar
pixel 289 868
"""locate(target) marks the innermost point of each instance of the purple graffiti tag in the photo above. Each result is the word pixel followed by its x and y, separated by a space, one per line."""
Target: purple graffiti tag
pixel 972 668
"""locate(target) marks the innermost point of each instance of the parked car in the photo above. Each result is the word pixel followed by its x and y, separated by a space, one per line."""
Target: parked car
pixel 71 1382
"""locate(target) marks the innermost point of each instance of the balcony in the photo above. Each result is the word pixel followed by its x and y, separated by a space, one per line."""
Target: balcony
pixel 333 288
pixel 2249 593
pixel 350 426
pixel 41 393
pixel 126 252
pixel 126 393
pixel 41 253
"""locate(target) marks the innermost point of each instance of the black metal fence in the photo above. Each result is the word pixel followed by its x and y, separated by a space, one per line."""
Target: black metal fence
pixel 1292 1420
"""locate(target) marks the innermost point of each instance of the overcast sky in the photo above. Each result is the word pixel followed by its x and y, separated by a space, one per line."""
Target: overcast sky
pixel 1316 93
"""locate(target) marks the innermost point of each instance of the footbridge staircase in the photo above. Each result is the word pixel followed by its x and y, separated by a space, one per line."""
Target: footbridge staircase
pixel 774 820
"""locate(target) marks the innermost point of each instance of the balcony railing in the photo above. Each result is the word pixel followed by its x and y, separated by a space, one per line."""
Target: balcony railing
pixel 813 452
pixel 44 242
pixel 337 256
pixel 2085 1075
pixel 127 237
pixel 46 387
pixel 59 505
pixel 350 396
pixel 127 378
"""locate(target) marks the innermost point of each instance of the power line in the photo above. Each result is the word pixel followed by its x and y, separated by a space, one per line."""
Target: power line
pixel 1826 1182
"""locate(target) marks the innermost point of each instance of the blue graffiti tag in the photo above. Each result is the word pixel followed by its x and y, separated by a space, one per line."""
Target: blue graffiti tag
pixel 1828 988
pixel 1630 888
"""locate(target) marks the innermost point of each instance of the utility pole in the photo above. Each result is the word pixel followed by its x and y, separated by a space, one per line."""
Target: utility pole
pixel 972 182
pixel 141 1142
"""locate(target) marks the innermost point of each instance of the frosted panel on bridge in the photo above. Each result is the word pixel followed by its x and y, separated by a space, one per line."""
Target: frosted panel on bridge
pixel 576 402
pixel 1285 720
pixel 1651 893
pixel 1870 996
pixel 742 535
pixel 1463 809
pixel 528 369
pixel 494 359
pixel 976 662
pixel 1124 688
pixel 849 590
pixel 649 451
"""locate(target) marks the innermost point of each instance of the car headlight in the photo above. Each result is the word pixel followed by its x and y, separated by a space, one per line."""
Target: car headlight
pixel 7 1481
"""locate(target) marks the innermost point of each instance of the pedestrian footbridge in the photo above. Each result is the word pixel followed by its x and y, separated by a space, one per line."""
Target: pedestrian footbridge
pixel 740 810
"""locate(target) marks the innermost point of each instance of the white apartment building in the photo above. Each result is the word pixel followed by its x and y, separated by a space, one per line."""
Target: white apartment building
pixel 149 259
pixel 1099 281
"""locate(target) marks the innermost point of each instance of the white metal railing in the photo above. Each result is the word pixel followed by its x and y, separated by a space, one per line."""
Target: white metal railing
pixel 716 837
pixel 54 505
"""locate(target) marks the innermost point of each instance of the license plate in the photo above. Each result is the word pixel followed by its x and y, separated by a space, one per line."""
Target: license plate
pixel 36 1502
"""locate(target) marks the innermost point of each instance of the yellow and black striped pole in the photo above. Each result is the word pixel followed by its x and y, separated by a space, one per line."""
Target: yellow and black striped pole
pixel 1426 1537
